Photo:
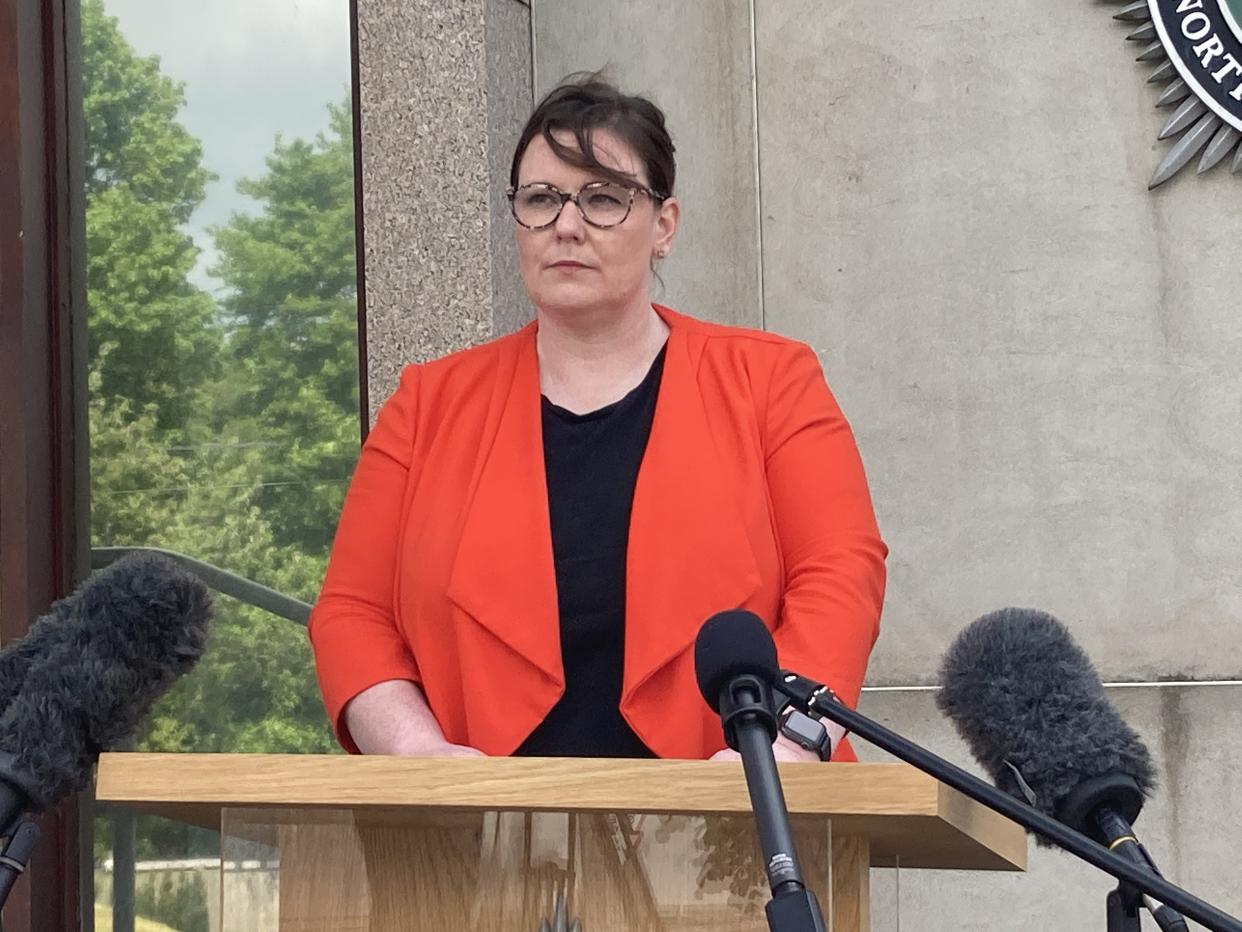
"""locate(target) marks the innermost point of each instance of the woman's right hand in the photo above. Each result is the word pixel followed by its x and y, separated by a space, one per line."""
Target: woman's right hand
pixel 393 717
pixel 438 749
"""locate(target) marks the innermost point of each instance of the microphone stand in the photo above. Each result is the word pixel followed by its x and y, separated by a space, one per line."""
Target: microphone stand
pixel 1122 909
pixel 1124 903
pixel 809 696
pixel 750 728
pixel 18 834
pixel 14 858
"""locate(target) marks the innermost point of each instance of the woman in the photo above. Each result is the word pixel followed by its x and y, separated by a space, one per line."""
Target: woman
pixel 538 526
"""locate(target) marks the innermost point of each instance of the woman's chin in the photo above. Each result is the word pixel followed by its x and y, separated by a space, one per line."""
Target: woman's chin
pixel 569 298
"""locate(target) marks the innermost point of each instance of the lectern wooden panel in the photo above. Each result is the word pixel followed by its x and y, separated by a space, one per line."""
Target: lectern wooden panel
pixel 373 844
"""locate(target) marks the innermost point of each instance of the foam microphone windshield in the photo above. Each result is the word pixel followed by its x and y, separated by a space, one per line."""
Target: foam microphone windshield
pixel 1028 702
pixel 104 655
pixel 731 644
pixel 16 658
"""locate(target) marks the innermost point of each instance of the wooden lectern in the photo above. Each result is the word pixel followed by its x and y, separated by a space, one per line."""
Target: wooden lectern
pixel 385 844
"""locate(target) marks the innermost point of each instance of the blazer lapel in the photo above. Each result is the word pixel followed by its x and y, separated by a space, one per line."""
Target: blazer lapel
pixel 503 575
pixel 689 555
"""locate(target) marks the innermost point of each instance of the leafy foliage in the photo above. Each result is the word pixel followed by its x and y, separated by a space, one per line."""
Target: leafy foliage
pixel 225 430
pixel 181 904
pixel 153 334
pixel 291 310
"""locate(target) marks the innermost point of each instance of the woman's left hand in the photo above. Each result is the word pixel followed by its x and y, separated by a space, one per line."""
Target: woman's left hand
pixel 782 749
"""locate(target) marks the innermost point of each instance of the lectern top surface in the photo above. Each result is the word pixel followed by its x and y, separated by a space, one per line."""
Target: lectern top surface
pixel 903 812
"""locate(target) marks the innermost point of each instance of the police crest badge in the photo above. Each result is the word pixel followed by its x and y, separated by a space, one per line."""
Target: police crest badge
pixel 1195 47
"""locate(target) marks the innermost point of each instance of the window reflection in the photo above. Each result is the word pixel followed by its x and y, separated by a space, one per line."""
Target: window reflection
pixel 223 369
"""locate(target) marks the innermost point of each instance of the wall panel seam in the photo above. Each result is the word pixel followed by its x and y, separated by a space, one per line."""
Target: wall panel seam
pixel 758 163
pixel 1119 684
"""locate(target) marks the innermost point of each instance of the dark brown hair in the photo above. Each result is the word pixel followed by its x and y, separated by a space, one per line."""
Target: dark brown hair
pixel 583 103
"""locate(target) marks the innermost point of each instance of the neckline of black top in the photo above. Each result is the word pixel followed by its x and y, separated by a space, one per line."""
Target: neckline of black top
pixel 571 417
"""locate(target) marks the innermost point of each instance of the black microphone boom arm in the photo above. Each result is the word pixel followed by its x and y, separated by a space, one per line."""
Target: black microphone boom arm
pixel 809 696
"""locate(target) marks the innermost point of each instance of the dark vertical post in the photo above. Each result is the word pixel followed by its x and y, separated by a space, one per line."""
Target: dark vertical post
pixel 39 539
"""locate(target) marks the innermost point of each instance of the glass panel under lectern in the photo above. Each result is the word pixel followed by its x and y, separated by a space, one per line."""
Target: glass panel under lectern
pixel 286 870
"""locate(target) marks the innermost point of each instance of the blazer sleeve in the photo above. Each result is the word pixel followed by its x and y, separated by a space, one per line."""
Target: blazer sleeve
pixel 831 546
pixel 353 628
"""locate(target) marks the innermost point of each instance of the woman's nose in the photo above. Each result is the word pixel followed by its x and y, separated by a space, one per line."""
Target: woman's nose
pixel 570 224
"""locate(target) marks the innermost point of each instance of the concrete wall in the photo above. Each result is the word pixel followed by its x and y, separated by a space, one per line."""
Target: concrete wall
pixel 1038 355
pixel 1191 824
pixel 693 60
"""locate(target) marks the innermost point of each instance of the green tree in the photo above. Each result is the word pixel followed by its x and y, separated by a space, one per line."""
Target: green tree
pixel 254 690
pixel 167 470
pixel 292 347
pixel 200 416
pixel 153 334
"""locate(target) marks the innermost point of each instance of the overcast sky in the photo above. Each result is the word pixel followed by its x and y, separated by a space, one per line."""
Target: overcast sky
pixel 251 69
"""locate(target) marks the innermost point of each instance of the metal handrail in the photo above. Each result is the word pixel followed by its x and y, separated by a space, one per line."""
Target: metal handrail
pixel 222 581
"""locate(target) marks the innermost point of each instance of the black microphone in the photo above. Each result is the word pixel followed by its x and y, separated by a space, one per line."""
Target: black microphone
pixel 95 665
pixel 729 645
pixel 1030 705
pixel 735 663
pixel 809 696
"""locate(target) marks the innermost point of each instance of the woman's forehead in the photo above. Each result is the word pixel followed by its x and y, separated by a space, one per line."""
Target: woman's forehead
pixel 610 149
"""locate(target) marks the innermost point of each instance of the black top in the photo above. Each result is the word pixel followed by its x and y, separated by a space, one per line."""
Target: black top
pixel 592 465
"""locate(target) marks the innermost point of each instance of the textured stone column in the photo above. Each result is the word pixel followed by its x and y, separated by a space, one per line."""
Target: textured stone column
pixel 445 89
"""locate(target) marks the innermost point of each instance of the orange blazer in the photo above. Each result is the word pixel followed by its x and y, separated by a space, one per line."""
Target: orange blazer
pixel 751 494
